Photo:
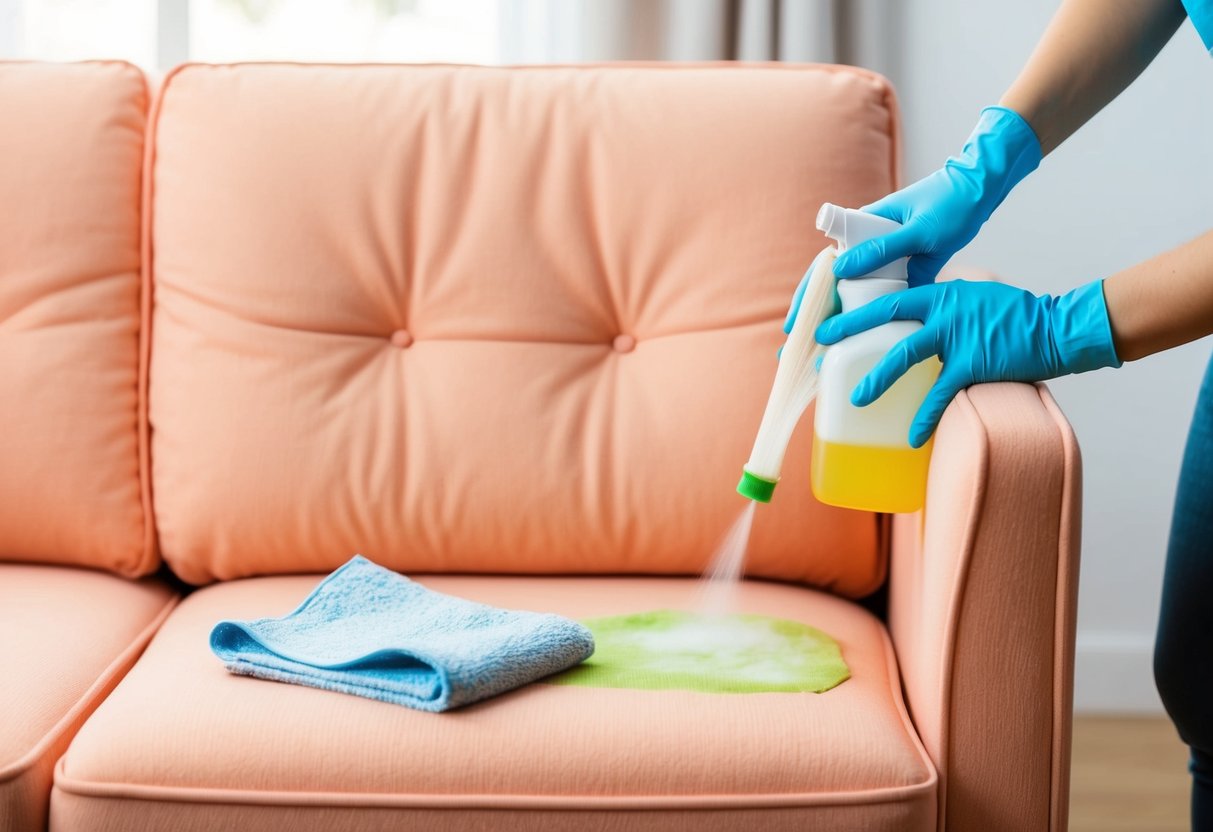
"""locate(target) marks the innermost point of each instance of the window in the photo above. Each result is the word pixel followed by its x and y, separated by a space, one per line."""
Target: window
pixel 453 31
pixel 72 30
pixel 161 33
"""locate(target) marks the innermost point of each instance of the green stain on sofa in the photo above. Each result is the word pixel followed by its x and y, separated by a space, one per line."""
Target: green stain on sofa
pixel 674 650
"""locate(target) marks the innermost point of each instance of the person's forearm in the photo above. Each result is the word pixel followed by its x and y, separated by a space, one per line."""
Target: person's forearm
pixel 1164 302
pixel 1090 52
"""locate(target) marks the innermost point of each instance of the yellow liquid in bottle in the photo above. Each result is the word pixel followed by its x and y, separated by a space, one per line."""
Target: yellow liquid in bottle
pixel 891 480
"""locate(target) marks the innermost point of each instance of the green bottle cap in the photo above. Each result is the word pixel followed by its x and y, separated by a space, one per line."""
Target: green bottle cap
pixel 755 488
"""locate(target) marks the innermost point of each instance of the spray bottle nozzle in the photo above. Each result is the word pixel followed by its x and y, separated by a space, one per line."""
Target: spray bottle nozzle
pixel 848 227
pixel 754 487
pixel 831 221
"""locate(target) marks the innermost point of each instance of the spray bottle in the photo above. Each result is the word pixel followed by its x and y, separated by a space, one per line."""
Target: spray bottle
pixel 861 456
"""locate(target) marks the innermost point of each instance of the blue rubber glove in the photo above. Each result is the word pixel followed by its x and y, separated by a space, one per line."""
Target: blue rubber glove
pixel 983 332
pixel 943 212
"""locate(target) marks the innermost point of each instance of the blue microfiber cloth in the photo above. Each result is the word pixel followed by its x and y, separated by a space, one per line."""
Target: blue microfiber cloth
pixel 372 632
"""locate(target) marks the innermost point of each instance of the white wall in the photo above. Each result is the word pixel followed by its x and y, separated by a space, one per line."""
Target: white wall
pixel 1136 180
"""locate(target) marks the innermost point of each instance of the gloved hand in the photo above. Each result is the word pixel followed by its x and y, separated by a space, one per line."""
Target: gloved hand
pixel 983 332
pixel 943 212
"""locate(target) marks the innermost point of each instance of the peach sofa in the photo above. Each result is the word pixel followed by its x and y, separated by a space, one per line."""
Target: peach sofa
pixel 509 331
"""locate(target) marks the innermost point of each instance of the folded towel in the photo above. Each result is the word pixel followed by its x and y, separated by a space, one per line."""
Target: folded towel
pixel 372 632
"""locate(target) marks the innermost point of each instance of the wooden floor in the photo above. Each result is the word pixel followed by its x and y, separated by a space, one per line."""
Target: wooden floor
pixel 1128 775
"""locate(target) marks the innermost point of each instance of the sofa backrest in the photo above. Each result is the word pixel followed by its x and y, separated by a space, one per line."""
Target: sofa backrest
pixel 492 320
pixel 73 482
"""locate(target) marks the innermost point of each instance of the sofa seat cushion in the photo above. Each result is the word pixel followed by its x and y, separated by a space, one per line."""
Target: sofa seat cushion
pixel 69 636
pixel 183 744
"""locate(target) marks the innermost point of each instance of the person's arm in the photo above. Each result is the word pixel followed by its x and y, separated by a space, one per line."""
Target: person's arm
pixel 1090 52
pixel 1087 56
pixel 1164 302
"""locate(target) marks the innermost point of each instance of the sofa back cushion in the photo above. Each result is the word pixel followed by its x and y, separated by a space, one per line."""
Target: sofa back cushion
pixel 492 320
pixel 72 489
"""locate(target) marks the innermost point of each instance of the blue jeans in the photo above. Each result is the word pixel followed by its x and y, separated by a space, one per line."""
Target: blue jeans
pixel 1183 654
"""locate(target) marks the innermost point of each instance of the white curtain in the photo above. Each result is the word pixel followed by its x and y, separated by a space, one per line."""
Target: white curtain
pixel 859 32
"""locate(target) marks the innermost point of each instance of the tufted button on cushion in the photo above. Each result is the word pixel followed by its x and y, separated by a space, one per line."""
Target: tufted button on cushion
pixel 623 343
pixel 402 338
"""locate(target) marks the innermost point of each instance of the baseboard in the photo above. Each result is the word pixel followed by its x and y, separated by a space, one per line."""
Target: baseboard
pixel 1114 673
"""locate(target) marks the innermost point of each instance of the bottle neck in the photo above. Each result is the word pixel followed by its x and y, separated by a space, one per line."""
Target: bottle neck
pixel 855 292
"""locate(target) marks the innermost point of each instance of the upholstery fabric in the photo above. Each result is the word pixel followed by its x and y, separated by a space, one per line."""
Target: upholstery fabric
pixel 982 600
pixel 68 637
pixel 182 744
pixel 72 489
pixel 479 319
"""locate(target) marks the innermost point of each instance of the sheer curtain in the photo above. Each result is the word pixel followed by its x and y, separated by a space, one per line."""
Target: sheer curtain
pixel 859 32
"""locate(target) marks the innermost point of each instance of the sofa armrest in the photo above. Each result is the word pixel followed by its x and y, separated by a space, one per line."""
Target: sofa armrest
pixel 982 598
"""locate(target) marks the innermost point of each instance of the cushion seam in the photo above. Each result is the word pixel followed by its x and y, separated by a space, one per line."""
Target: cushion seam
pixel 1067 585
pixel 665 66
pixel 147 290
pixel 242 797
pixel 142 431
pixel 954 612
pixel 489 339
pixel 903 713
